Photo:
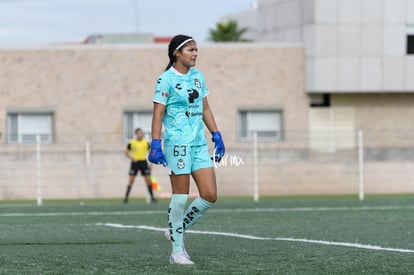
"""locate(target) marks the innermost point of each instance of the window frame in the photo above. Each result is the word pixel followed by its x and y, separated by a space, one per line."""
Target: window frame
pixel 50 138
pixel 249 137
pixel 128 134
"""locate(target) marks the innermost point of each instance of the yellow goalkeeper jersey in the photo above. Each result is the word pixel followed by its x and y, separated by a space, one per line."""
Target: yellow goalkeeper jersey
pixel 138 149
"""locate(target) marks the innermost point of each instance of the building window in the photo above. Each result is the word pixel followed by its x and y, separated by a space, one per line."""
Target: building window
pixel 410 44
pixel 23 128
pixel 320 100
pixel 133 120
pixel 266 123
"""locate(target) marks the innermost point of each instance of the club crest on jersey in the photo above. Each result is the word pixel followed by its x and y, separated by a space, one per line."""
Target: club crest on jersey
pixel 180 164
pixel 165 94
pixel 197 83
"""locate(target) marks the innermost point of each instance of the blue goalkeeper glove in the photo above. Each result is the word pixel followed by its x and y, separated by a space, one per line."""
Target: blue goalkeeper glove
pixel 156 155
pixel 218 146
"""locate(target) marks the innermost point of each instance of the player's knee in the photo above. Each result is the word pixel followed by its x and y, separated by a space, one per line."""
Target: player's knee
pixel 210 197
pixel 213 200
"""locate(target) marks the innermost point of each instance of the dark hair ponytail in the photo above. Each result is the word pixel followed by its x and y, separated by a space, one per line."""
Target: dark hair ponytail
pixel 176 44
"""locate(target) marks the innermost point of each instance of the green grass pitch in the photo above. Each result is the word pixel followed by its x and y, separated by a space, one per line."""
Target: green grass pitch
pixel 277 235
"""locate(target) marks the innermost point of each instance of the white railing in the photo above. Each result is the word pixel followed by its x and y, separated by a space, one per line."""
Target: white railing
pixel 379 162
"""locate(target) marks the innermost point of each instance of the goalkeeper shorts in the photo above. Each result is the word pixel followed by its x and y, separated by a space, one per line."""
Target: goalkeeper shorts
pixel 185 159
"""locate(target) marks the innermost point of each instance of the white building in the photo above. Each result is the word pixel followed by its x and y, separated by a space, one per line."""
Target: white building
pixel 359 58
pixel 351 45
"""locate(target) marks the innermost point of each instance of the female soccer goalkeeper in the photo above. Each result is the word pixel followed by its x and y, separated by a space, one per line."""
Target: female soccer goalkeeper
pixel 180 103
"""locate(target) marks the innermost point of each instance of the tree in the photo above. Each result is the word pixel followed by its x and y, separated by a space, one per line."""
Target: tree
pixel 227 32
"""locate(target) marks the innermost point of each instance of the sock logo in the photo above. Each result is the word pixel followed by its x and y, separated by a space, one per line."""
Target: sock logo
pixel 190 215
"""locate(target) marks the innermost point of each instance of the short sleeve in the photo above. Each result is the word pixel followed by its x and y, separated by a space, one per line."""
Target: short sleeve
pixel 204 89
pixel 162 89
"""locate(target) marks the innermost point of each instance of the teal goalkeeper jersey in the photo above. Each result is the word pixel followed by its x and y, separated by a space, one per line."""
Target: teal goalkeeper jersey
pixel 182 95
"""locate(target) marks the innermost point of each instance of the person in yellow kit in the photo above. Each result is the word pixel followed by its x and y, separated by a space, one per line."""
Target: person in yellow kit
pixel 137 151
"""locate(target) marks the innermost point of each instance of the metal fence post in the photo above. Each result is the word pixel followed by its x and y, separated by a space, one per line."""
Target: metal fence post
pixel 361 164
pixel 255 169
pixel 38 171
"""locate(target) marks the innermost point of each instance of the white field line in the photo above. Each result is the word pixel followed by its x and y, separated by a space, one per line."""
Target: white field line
pixel 80 213
pixel 251 237
pixel 151 212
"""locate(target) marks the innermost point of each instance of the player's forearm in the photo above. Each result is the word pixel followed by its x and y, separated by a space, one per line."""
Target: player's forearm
pixel 155 129
pixel 208 118
pixel 210 122
pixel 157 116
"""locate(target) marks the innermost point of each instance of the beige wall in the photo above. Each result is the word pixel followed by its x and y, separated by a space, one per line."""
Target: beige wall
pixel 388 138
pixel 385 111
pixel 89 87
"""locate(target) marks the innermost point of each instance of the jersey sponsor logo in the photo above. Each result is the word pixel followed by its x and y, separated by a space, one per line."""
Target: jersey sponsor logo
pixel 180 164
pixel 192 95
pixel 188 114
